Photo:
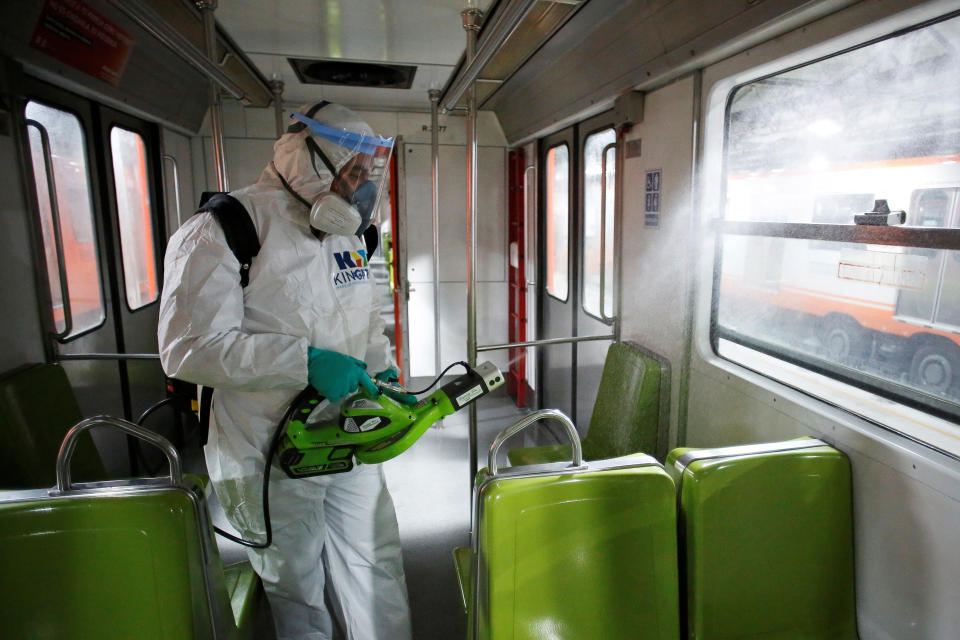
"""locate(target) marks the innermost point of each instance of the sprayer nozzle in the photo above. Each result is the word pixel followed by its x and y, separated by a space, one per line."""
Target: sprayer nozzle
pixel 389 386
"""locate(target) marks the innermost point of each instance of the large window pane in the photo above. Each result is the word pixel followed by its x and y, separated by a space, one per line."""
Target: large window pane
pixel 819 144
pixel 73 204
pixel 558 222
pixel 598 217
pixel 133 211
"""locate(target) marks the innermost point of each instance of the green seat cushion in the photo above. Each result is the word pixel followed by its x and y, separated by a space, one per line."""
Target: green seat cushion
pixel 781 522
pixel 37 408
pixel 116 567
pixel 463 561
pixel 626 413
pixel 590 555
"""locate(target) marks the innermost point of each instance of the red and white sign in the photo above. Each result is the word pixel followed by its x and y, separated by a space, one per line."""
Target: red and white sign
pixel 75 34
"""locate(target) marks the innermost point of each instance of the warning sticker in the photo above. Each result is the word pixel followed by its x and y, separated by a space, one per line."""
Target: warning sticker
pixel 75 34
pixel 464 398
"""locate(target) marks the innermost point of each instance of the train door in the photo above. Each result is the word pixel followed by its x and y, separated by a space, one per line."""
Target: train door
pixel 558 290
pixel 130 157
pixel 595 229
pixel 84 199
pixel 577 248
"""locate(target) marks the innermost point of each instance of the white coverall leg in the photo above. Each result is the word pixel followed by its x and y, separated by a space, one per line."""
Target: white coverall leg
pixel 350 518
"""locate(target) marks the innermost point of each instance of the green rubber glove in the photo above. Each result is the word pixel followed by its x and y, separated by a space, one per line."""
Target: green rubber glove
pixel 335 375
pixel 392 376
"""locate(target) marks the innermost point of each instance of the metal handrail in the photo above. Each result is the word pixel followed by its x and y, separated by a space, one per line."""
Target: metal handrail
pixel 176 184
pixel 526 421
pixel 546 341
pixel 144 16
pixel 603 229
pixel 494 35
pixel 900 236
pixel 72 437
pixel 108 356
pixel 57 231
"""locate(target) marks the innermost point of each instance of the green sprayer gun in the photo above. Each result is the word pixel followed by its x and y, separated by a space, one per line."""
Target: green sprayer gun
pixel 371 429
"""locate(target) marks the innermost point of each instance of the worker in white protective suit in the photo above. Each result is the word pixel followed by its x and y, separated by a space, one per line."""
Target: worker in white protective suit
pixel 309 313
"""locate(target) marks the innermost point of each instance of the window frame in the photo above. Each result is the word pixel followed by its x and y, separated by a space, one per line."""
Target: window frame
pixel 899 236
pixel 67 335
pixel 109 129
pixel 547 219
pixel 601 317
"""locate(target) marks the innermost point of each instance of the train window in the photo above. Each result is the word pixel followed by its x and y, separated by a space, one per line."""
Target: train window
pixel 58 156
pixel 599 172
pixel 807 150
pixel 558 221
pixel 134 217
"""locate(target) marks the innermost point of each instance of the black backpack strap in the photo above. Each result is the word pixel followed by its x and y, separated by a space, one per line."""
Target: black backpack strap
pixel 206 401
pixel 371 237
pixel 237 227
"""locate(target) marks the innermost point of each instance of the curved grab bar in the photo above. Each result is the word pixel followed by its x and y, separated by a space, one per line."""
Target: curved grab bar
pixel 57 231
pixel 603 230
pixel 526 421
pixel 70 443
pixel 176 185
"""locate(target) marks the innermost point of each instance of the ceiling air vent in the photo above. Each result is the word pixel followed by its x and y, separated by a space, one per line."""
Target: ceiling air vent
pixel 354 74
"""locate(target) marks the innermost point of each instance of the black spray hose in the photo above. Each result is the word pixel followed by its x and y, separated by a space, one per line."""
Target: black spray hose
pixel 437 379
pixel 271 452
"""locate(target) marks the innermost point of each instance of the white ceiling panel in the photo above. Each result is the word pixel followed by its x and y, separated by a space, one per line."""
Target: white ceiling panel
pixel 424 33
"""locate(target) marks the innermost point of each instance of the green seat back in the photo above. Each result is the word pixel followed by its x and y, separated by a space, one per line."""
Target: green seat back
pixel 627 412
pixel 589 555
pixel 105 567
pixel 37 408
pixel 768 540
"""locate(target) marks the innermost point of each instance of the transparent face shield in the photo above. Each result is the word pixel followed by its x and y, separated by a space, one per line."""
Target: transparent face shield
pixel 360 180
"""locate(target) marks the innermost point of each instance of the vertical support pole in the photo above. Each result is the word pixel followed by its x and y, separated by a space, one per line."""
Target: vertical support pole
pixel 435 204
pixel 471 23
pixel 207 7
pixel 276 87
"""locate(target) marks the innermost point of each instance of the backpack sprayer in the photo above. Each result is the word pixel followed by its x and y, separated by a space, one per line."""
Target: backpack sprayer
pixel 369 430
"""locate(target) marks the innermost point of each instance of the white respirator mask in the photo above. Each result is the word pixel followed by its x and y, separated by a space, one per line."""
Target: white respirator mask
pixel 334 215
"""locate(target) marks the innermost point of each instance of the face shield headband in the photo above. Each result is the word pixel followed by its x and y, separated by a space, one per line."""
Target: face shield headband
pixel 360 179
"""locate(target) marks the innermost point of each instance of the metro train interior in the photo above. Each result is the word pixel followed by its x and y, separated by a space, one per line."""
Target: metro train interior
pixel 713 249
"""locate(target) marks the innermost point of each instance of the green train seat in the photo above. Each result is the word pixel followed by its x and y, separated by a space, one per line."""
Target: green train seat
pixel 37 407
pixel 767 534
pixel 630 415
pixel 572 549
pixel 118 559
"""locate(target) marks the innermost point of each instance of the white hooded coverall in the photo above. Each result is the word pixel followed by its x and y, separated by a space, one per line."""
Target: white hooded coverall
pixel 250 345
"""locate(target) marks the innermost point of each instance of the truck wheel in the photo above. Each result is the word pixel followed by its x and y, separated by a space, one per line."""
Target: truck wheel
pixel 934 369
pixel 845 340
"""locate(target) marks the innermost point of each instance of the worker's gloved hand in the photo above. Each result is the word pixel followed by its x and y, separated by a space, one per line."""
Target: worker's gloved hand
pixel 388 375
pixel 392 376
pixel 334 375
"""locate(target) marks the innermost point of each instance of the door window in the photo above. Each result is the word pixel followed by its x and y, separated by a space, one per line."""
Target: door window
pixel 558 221
pixel 62 178
pixel 134 217
pixel 599 172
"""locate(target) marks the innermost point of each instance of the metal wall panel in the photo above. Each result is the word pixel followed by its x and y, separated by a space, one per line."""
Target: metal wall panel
pixel 491 256
pixel 21 333
pixel 156 83
pixel 906 496
pixel 611 46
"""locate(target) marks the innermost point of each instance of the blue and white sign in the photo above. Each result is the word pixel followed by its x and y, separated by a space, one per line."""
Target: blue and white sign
pixel 651 205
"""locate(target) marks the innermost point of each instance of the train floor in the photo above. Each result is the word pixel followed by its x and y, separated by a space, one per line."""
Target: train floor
pixel 430 484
